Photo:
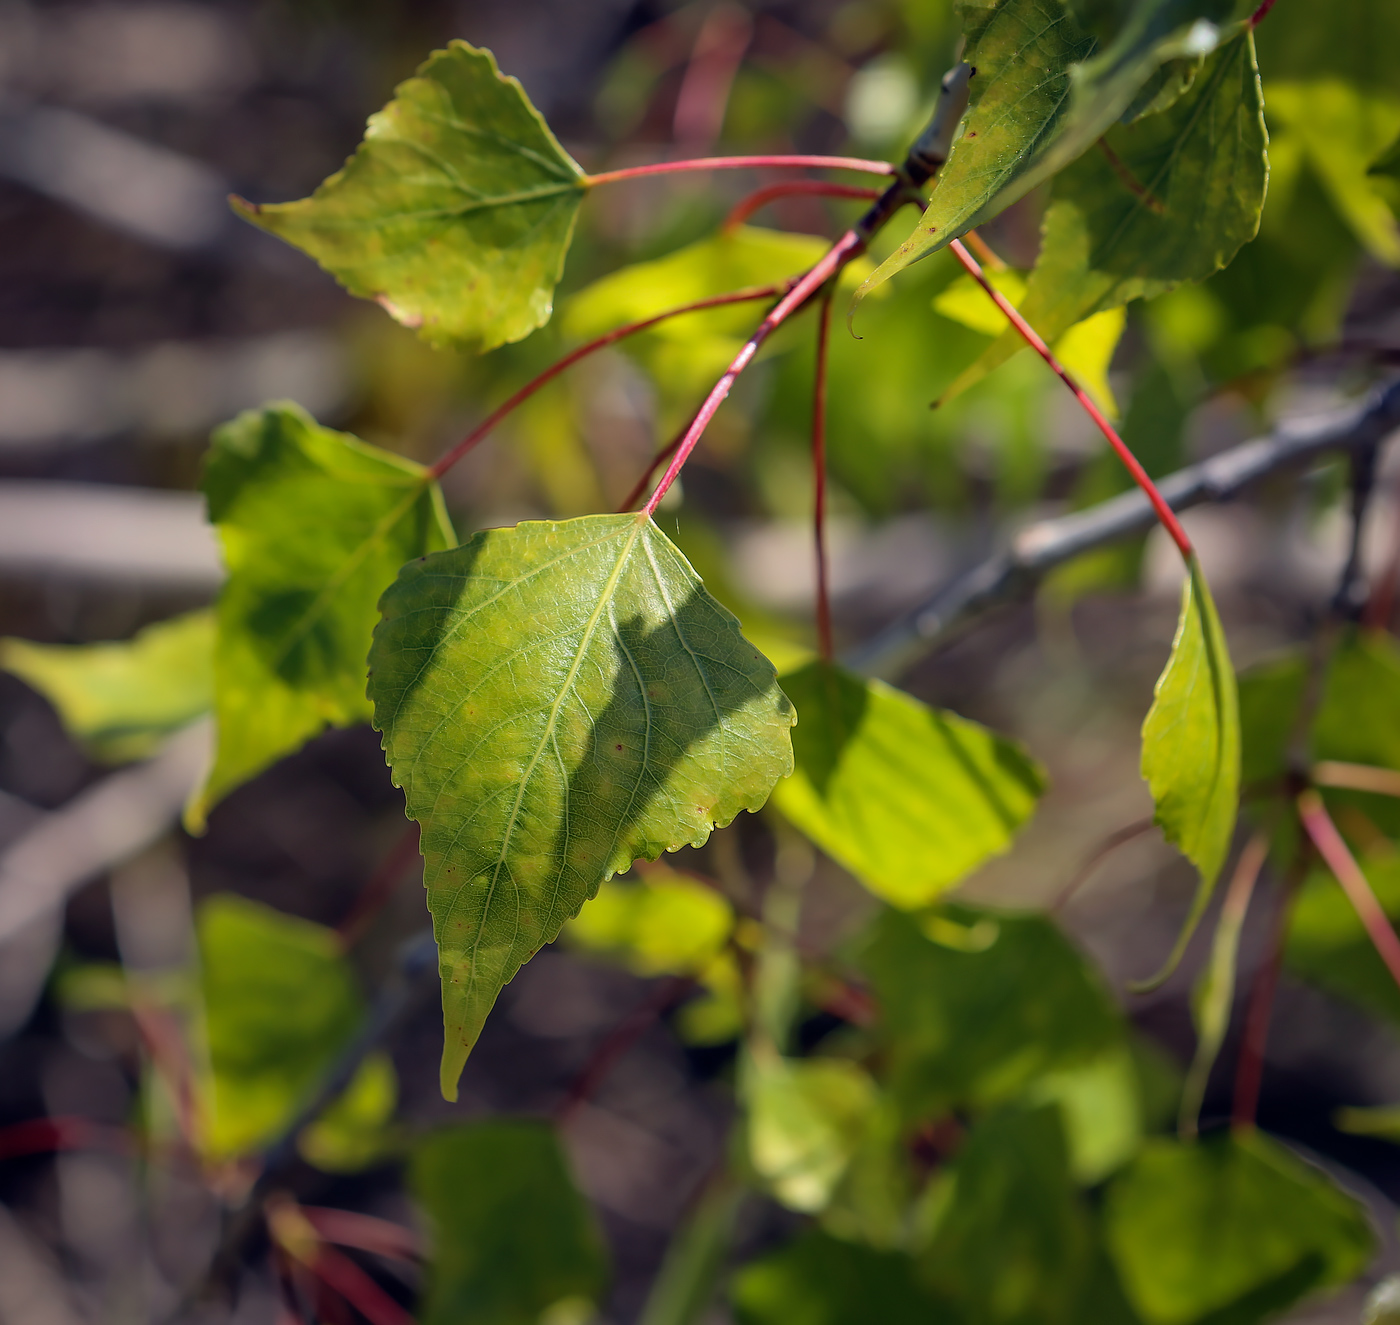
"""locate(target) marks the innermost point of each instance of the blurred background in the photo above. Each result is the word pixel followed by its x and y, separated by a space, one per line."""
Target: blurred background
pixel 136 313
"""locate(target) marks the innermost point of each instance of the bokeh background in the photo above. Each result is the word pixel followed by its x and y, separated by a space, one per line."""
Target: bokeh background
pixel 136 313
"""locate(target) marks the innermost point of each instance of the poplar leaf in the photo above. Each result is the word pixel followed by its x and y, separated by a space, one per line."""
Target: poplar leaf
pixel 909 798
pixel 1180 195
pixel 313 524
pixel 558 699
pixel 456 211
pixel 1191 749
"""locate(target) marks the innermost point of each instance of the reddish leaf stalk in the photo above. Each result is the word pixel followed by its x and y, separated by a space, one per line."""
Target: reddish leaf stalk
pixel 984 251
pixel 640 486
pixel 1249 1070
pixel 380 886
pixel 719 50
pixel 357 1288
pixel 836 257
pixel 778 162
pixel 818 188
pixel 582 352
pixel 1338 858
pixel 1032 338
pixel 1091 862
pixel 43 1136
pixel 1261 13
pixel 824 643
pixel 349 1228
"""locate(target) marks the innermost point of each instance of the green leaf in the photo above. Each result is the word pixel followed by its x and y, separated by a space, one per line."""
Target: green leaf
pixel 556 701
pixel 1045 91
pixel 1229 1229
pixel 1182 192
pixel 977 1028
pixel 353 1132
pixel 821 1280
pixel 280 1003
pixel 1191 748
pixel 313 524
pixel 910 799
pixel 123 700
pixel 512 1237
pixel 1101 1110
pixel 455 212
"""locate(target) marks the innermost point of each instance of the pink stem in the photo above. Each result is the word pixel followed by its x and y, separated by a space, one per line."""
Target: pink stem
pixel 1140 476
pixel 836 257
pixel 1261 13
pixel 743 163
pixel 819 483
pixel 592 347
pixel 349 1228
pixel 820 188
pixel 357 1288
pixel 1342 863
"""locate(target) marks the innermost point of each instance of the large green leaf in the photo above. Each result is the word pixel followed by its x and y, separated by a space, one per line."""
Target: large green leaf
pixel 1183 191
pixel 122 700
pixel 1229 1229
pixel 976 1028
pixel 313 524
pixel 513 1241
pixel 908 798
pixel 1191 747
pixel 556 701
pixel 455 212
pixel 1044 91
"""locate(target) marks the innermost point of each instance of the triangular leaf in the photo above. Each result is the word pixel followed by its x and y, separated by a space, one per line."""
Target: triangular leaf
pixel 455 212
pixel 122 700
pixel 313 524
pixel 910 799
pixel 556 701
pixel 1191 748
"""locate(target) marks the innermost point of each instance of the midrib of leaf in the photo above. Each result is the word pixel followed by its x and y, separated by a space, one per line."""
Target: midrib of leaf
pixel 604 602
pixel 518 149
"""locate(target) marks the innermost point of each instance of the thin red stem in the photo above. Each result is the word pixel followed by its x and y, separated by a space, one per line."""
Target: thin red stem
pixel 349 1228
pixel 824 644
pixel 780 162
pixel 582 352
pixel 836 257
pixel 43 1136
pixel 819 188
pixel 357 1288
pixel 1261 13
pixel 1337 855
pixel 1028 333
pixel 640 486
pixel 380 886
pixel 1249 1071
pixel 1091 862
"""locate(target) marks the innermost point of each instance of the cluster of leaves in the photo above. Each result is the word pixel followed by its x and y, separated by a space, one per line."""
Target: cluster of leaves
pixel 562 698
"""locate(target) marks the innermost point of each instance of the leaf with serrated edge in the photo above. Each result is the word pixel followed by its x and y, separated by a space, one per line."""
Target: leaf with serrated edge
pixel 313 524
pixel 1184 194
pixel 908 798
pixel 558 699
pixel 456 211
pixel 1191 749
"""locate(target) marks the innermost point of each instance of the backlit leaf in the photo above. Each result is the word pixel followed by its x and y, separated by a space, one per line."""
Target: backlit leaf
pixel 511 1236
pixel 313 524
pixel 556 701
pixel 908 798
pixel 122 700
pixel 1191 747
pixel 353 1132
pixel 455 212
pixel 1229 1229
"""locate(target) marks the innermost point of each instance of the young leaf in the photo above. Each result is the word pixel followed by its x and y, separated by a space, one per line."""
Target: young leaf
pixel 455 212
pixel 512 1237
pixel 908 798
pixel 556 701
pixel 122 700
pixel 1229 1228
pixel 313 525
pixel 1173 199
pixel 1191 748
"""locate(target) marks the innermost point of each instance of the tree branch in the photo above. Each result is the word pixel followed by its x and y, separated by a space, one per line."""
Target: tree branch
pixel 1041 547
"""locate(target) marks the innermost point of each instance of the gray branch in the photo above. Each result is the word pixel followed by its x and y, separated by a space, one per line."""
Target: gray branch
pixel 1041 547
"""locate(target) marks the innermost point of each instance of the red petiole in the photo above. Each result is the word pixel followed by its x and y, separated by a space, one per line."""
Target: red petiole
pixel 817 188
pixel 742 163
pixel 1028 333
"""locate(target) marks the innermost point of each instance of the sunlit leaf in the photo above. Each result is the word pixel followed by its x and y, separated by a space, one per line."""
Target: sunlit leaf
pixel 313 524
pixel 1230 1229
pixel 122 700
pixel 455 212
pixel 908 798
pixel 353 1132
pixel 1191 747
pixel 556 701
pixel 1172 199
pixel 511 1236
pixel 966 301
pixel 1101 1111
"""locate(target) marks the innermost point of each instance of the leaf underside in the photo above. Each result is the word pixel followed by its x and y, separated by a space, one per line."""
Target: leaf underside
pixel 313 525
pixel 455 212
pixel 558 699
pixel 1191 749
